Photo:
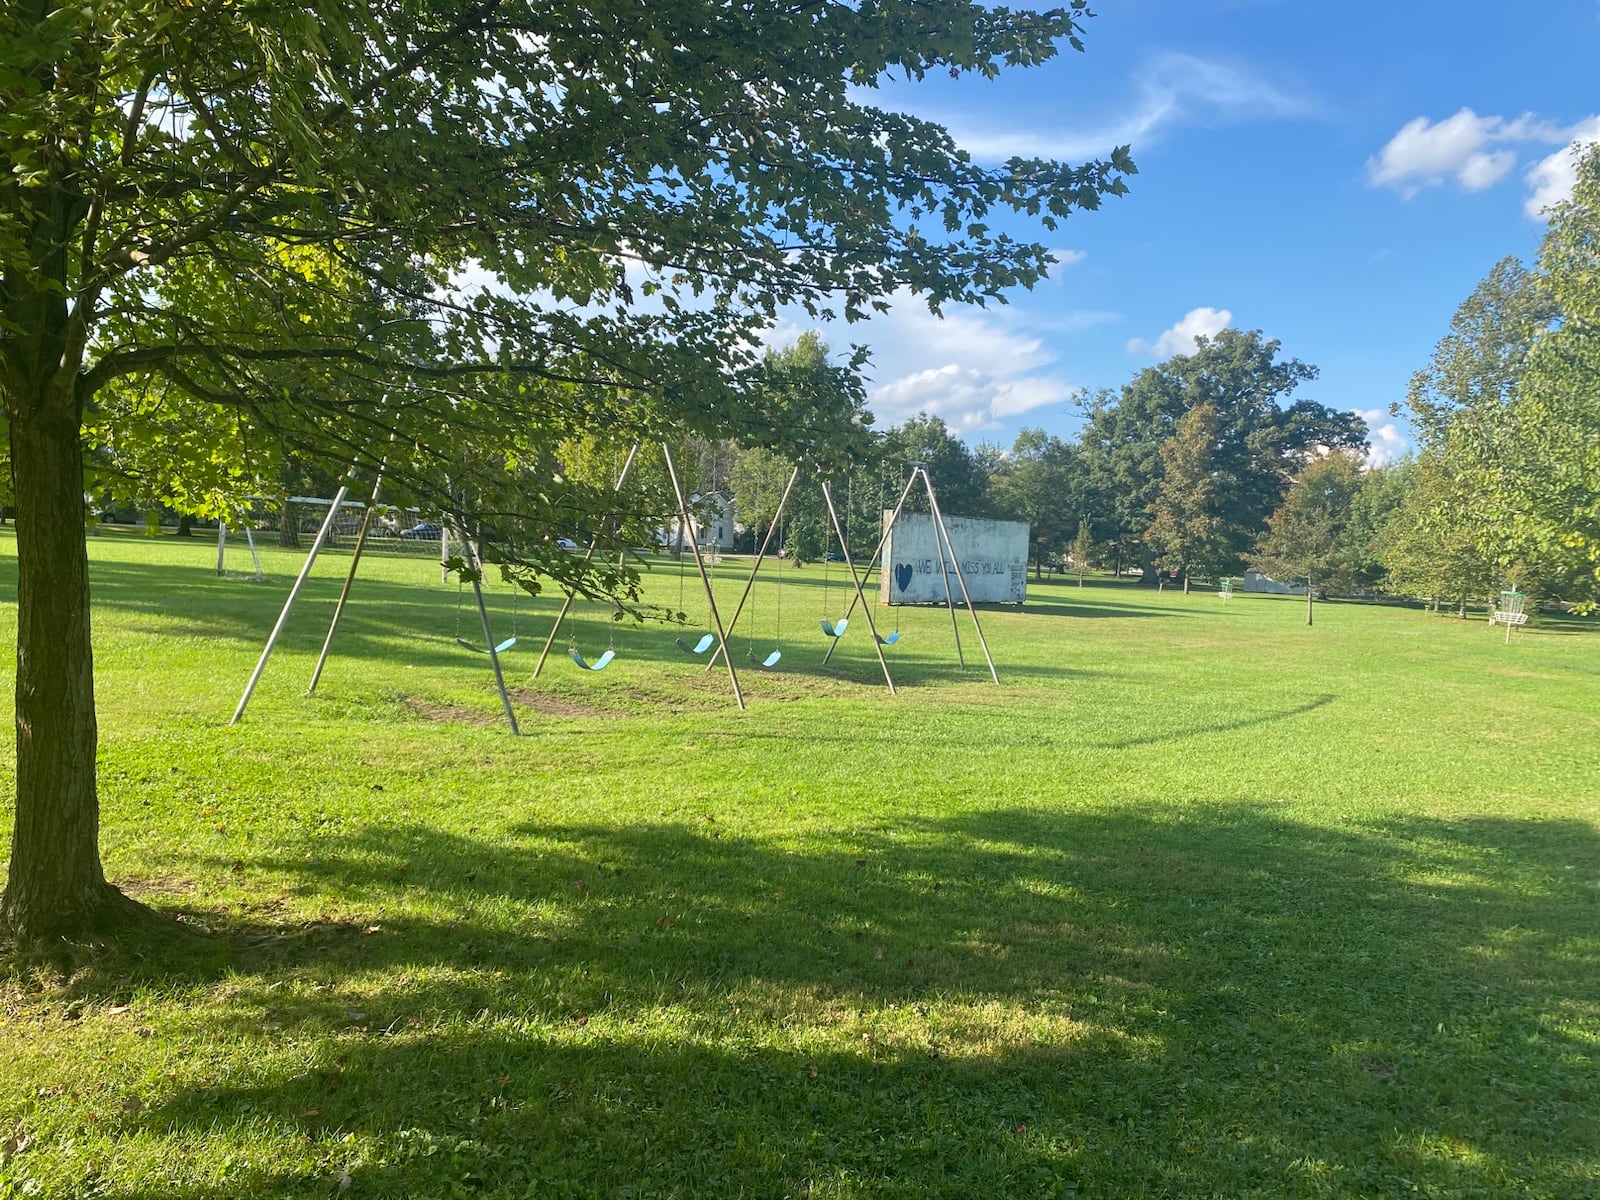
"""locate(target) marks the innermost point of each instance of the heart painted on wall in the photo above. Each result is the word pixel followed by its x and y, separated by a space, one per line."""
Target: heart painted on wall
pixel 902 575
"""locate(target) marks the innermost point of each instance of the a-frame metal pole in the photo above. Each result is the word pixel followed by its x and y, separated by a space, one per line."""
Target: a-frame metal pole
pixel 705 580
pixel 883 540
pixel 349 581
pixel 961 578
pixel 761 557
pixel 949 592
pixel 494 655
pixel 588 557
pixel 476 561
pixel 872 626
pixel 288 605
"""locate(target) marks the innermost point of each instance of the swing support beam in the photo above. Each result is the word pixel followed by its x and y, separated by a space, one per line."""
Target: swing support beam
pixel 944 532
pixel 288 605
pixel 877 554
pixel 349 581
pixel 947 550
pixel 855 580
pixel 761 557
pixel 493 650
pixel 705 580
pixel 588 557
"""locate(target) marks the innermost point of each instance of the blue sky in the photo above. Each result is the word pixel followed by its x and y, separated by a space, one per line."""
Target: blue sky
pixel 1337 176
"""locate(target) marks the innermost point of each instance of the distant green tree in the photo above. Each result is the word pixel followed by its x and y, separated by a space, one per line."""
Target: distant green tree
pixel 1031 484
pixel 1383 489
pixel 1430 545
pixel 1473 497
pixel 1305 537
pixel 1084 551
pixel 957 476
pixel 1474 369
pixel 805 373
pixel 1263 438
pixel 1186 529
pixel 1553 462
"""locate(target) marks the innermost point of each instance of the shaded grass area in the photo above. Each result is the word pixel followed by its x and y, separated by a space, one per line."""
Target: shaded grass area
pixel 1200 903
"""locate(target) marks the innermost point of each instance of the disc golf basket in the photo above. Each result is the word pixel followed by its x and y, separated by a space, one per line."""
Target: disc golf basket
pixel 1225 592
pixel 1509 611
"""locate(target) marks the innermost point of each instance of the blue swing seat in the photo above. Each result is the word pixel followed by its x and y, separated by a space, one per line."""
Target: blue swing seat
pixel 836 629
pixel 599 664
pixel 500 649
pixel 771 660
pixel 891 639
pixel 705 643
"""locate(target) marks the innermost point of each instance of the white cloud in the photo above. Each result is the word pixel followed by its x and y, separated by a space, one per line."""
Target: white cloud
pixel 1550 180
pixel 1065 260
pixel 1425 153
pixel 1475 151
pixel 965 398
pixel 974 368
pixel 1171 90
pixel 1386 443
pixel 1180 338
pixel 1486 169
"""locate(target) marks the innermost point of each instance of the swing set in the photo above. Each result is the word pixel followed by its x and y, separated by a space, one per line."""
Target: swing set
pixel 475 568
pixel 716 636
pixel 949 563
pixel 457 522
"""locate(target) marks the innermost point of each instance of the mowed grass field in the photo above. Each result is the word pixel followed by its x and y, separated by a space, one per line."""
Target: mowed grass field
pixel 1200 902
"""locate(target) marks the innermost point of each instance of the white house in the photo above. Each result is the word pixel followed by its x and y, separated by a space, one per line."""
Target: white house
pixel 714 526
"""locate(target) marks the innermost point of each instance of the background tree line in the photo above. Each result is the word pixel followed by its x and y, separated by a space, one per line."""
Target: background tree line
pixel 1207 464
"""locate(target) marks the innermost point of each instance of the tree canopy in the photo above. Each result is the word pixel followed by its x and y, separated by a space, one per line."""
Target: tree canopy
pixel 1262 437
pixel 445 238
pixel 1305 537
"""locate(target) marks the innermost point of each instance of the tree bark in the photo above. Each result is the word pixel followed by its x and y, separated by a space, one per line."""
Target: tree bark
pixel 1311 593
pixel 56 885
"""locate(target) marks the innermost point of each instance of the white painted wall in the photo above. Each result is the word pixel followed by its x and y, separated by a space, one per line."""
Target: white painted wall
pixel 993 557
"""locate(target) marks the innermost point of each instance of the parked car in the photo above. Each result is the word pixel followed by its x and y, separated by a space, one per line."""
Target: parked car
pixel 567 544
pixel 423 531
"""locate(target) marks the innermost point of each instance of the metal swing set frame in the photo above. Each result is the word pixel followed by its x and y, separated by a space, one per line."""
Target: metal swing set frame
pixel 456 523
pixel 949 563
pixel 719 635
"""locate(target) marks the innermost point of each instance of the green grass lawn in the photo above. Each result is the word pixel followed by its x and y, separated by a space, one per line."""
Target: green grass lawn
pixel 1200 902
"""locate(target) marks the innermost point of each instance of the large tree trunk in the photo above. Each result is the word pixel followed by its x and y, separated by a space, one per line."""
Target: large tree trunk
pixel 1311 593
pixel 56 885
pixel 1148 575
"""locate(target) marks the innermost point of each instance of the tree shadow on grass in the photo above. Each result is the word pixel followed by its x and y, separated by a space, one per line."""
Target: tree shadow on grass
pixel 1091 609
pixel 1197 1000
pixel 1181 735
